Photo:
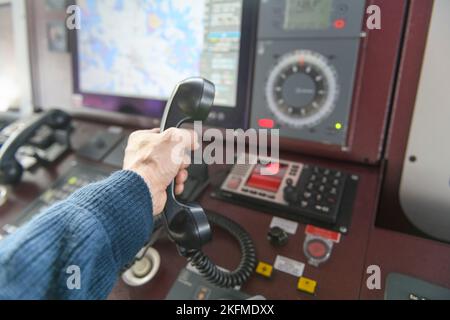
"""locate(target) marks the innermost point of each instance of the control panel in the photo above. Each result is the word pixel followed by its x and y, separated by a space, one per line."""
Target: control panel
pixel 306 61
pixel 298 191
pixel 77 177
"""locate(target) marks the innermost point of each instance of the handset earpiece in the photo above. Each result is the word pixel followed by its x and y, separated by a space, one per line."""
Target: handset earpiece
pixel 187 224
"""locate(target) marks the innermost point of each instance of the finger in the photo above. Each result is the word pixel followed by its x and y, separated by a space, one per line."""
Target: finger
pixel 185 165
pixel 187 138
pixel 179 189
pixel 187 161
pixel 182 177
pixel 141 133
pixel 142 137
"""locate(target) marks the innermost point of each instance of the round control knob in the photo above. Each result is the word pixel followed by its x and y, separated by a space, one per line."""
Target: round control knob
pixel 302 89
pixel 277 237
pixel 142 268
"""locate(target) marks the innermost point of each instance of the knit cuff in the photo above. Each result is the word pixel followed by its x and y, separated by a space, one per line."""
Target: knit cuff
pixel 123 205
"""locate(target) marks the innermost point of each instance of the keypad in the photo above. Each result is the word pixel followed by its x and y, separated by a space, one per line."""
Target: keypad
pixel 320 190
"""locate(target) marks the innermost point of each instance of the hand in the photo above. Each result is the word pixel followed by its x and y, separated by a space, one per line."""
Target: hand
pixel 159 158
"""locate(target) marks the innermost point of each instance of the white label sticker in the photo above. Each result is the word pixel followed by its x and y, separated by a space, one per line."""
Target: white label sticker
pixel 289 266
pixel 287 225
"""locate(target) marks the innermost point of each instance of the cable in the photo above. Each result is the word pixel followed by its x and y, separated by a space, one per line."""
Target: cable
pixel 211 272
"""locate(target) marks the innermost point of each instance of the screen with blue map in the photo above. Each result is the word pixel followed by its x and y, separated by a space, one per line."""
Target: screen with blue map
pixel 143 48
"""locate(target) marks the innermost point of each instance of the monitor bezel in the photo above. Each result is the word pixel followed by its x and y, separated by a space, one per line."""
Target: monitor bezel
pixel 225 117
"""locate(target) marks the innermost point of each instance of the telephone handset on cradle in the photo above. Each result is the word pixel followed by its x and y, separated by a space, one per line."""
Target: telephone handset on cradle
pixel 187 225
pixel 38 132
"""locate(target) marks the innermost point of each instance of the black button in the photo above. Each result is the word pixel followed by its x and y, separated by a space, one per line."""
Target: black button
pixel 277 237
pixel 331 200
pixel 323 209
pixel 326 209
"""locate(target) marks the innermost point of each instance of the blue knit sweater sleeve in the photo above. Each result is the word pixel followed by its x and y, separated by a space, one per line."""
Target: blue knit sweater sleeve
pixel 76 249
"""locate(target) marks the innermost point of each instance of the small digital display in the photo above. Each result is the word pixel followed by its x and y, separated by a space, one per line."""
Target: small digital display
pixel 308 14
pixel 272 182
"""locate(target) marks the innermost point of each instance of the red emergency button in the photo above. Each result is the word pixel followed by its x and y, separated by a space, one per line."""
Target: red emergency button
pixel 340 24
pixel 317 249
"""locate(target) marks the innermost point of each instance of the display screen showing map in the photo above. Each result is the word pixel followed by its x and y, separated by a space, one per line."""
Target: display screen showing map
pixel 143 48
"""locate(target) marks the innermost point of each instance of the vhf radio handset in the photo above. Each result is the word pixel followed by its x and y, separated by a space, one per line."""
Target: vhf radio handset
pixel 187 224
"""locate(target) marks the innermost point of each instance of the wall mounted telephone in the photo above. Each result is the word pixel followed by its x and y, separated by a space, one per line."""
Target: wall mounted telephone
pixel 48 136
pixel 187 225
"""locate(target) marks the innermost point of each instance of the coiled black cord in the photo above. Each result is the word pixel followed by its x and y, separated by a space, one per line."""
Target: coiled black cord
pixel 211 272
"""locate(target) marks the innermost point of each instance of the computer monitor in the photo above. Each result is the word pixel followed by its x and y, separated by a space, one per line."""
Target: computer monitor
pixel 129 55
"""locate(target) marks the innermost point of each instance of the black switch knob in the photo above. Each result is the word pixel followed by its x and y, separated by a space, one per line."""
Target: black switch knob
pixel 290 193
pixel 277 237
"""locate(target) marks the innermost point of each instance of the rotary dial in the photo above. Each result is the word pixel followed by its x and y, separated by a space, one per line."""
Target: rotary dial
pixel 302 89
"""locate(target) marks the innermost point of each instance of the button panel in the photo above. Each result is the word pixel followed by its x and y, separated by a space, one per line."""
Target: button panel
pixel 303 191
pixel 237 182
pixel 320 190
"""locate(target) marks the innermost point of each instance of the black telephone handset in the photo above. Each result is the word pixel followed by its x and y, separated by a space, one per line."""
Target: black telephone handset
pixel 187 224
pixel 10 169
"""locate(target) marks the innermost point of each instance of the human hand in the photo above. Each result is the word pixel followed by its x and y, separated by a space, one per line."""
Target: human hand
pixel 159 158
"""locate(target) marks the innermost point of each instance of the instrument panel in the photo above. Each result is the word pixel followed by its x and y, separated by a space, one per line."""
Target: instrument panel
pixel 297 191
pixel 306 60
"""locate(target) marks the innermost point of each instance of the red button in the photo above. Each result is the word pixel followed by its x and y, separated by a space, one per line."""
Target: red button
pixel 317 249
pixel 266 123
pixel 339 24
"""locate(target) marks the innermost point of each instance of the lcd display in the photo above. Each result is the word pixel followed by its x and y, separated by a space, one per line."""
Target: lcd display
pixel 271 182
pixel 308 14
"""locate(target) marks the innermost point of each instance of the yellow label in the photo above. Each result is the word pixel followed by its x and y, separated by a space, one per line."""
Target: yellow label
pixel 307 285
pixel 264 269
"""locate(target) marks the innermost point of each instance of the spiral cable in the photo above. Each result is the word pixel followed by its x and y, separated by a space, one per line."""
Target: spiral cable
pixel 211 272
